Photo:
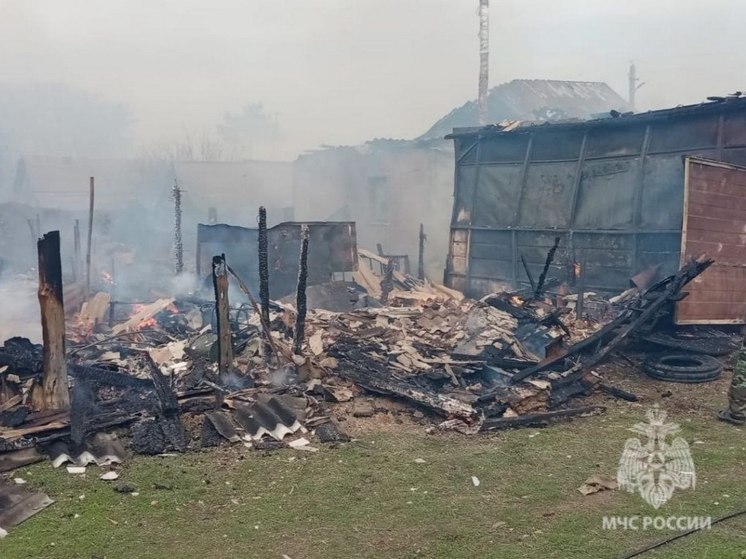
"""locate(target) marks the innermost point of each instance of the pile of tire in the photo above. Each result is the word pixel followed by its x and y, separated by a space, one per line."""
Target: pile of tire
pixel 706 342
pixel 683 367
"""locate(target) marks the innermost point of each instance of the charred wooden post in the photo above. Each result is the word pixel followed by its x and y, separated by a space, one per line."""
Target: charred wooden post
pixel 528 274
pixel 178 243
pixel 580 307
pixel 547 263
pixel 387 283
pixel 300 297
pixel 263 251
pixel 76 246
pixel 421 254
pixel 220 282
pixel 32 230
pixel 88 249
pixel 54 394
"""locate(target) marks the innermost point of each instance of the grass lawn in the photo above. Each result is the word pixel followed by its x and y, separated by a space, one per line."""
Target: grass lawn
pixel 371 498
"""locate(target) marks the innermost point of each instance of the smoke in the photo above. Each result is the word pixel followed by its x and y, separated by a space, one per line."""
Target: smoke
pixel 20 308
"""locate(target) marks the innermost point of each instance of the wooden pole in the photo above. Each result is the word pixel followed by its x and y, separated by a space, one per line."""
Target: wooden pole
pixel 88 249
pixel 263 250
pixel 76 248
pixel 225 346
pixel 54 393
pixel 421 255
pixel 300 297
pixel 387 283
pixel 32 229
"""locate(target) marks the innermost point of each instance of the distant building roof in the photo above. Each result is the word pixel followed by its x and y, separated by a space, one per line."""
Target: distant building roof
pixel 534 100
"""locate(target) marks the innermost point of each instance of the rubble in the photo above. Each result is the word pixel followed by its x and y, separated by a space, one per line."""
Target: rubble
pixel 180 373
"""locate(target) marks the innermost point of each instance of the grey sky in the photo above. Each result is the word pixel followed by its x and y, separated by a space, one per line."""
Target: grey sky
pixel 344 71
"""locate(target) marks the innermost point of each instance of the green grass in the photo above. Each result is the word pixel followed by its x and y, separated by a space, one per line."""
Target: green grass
pixel 370 498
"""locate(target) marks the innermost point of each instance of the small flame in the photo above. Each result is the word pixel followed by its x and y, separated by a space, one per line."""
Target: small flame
pixel 147 324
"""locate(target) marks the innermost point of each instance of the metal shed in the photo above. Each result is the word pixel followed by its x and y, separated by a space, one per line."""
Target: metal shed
pixel 612 189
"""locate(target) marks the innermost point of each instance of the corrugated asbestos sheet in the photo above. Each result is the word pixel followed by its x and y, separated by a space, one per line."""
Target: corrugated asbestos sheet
pixel 715 224
pixel 18 504
pixel 332 247
pixel 611 189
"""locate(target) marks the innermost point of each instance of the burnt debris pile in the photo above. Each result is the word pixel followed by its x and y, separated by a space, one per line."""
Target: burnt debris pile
pixel 181 373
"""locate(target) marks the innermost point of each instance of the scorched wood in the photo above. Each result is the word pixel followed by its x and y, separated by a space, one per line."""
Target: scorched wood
pixel 220 282
pixel 376 378
pixel 540 419
pixel 54 393
pixel 300 299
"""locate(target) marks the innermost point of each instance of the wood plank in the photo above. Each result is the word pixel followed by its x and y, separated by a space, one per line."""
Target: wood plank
pixel 146 313
pixel 727 212
pixel 724 254
pixel 730 239
pixel 718 200
pixel 714 224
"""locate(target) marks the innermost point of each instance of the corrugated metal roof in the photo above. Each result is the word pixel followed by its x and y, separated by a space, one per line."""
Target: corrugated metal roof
pixel 726 104
pixel 534 100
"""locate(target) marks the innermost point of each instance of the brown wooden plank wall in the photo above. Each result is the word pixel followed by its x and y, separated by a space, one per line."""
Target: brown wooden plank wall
pixel 715 224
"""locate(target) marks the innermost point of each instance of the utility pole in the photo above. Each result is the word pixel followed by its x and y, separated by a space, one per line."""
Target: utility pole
pixel 178 243
pixel 484 58
pixel 633 86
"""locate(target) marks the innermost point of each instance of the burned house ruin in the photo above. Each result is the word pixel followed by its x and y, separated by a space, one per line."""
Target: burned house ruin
pixel 623 194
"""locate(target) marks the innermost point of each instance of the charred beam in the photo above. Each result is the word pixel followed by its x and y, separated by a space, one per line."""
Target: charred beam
pixel 263 251
pixel 547 264
pixel 528 274
pixel 300 298
pixel 421 254
pixel 539 419
pixel 54 392
pixel 76 247
pixel 169 404
pixel 387 283
pixel 222 309
pixel 265 326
